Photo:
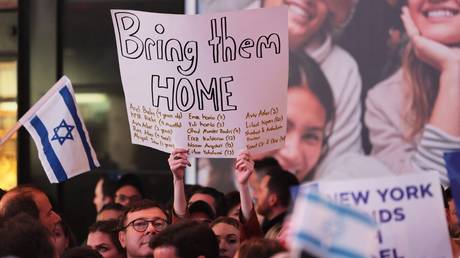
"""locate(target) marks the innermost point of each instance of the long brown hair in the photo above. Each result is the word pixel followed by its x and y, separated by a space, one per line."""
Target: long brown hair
pixel 305 71
pixel 422 83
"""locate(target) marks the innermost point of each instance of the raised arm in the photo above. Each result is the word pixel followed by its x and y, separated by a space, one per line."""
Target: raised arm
pixel 177 164
pixel 244 167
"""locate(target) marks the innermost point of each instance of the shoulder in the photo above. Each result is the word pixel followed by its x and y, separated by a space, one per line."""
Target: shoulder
pixel 385 107
pixel 392 84
pixel 342 72
pixel 332 58
pixel 342 58
pixel 353 166
pixel 387 93
pixel 341 68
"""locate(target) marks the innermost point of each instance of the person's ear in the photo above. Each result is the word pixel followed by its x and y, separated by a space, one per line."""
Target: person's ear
pixel 122 238
pixel 272 199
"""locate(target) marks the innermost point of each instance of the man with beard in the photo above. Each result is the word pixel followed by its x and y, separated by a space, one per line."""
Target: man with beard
pixel 141 221
pixel 30 200
pixel 273 198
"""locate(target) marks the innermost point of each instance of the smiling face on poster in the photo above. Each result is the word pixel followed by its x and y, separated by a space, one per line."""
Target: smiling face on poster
pixel 214 84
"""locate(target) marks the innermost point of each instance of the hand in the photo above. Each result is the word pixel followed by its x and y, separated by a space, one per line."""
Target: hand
pixel 244 167
pixel 438 55
pixel 178 162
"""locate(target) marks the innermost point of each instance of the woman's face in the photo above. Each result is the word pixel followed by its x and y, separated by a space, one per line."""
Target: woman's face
pixel 438 20
pixel 306 122
pixel 306 19
pixel 61 242
pixel 229 239
pixel 102 243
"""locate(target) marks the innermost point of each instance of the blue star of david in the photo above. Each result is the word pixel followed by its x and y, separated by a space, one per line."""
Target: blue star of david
pixel 66 131
pixel 332 230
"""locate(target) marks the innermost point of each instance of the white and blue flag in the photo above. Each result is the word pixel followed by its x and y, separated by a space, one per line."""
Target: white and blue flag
pixel 324 228
pixel 63 144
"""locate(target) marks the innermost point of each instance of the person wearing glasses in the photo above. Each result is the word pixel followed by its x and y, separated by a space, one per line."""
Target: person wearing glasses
pixel 138 224
pixel 129 190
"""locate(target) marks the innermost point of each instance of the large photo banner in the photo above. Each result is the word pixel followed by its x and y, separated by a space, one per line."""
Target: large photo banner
pixel 215 84
pixel 408 210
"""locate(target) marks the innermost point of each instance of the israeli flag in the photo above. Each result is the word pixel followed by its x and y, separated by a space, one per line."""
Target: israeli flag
pixel 62 141
pixel 324 228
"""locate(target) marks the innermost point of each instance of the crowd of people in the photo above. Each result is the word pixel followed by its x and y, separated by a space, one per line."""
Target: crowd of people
pixel 201 222
pixel 412 121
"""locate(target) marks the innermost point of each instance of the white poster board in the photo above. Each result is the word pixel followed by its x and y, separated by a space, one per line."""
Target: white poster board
pixel 215 84
pixel 408 209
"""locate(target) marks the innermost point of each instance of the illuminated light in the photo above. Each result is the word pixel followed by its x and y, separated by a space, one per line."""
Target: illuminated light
pixel 91 98
pixel 11 106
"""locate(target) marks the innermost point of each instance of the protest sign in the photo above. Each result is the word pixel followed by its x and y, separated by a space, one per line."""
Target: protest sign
pixel 214 84
pixel 408 210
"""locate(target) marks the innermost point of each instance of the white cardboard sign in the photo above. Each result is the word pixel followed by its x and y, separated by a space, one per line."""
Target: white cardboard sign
pixel 214 83
pixel 408 209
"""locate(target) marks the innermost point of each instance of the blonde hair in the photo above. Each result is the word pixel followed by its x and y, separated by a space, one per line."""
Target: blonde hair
pixel 422 86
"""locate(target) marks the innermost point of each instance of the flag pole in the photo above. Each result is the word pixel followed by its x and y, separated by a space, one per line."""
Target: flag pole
pixel 34 108
pixel 10 133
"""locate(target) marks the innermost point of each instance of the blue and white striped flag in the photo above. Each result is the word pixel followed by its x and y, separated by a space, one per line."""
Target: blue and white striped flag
pixel 62 141
pixel 324 228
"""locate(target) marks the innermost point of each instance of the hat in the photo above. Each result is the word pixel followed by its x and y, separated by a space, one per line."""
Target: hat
pixel 202 206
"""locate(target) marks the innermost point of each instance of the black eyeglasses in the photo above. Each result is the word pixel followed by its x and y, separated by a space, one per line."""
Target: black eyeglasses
pixel 141 224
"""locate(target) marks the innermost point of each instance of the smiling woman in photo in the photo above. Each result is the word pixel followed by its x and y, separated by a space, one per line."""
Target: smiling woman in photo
pixel 311 117
pixel 312 28
pixel 411 130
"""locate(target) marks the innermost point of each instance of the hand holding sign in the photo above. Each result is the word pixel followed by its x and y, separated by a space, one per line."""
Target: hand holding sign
pixel 244 167
pixel 178 162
